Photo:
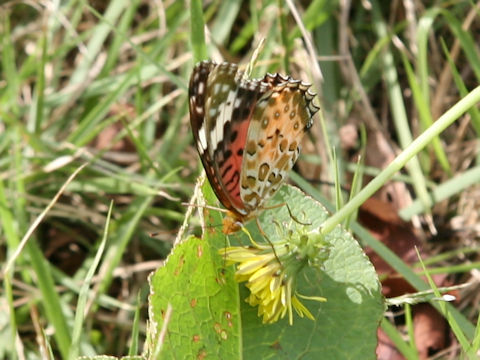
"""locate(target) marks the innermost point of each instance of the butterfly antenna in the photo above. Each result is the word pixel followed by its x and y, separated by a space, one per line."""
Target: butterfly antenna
pixel 296 219
pixel 205 207
pixel 274 206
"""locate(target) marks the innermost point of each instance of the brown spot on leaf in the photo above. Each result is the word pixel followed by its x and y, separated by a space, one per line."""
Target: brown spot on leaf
pixel 179 267
pixel 202 354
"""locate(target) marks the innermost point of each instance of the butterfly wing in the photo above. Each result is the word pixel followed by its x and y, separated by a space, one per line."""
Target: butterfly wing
pixel 221 106
pixel 247 132
pixel 281 118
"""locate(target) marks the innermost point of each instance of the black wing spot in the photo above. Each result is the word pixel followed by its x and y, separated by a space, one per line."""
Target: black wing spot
pixel 227 169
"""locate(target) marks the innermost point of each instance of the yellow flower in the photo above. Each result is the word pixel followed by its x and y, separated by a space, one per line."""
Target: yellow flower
pixel 270 272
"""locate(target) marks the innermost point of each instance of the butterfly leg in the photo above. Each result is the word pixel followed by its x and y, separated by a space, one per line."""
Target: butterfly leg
pixel 268 240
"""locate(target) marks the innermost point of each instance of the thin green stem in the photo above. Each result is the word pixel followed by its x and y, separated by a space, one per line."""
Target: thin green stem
pixel 399 162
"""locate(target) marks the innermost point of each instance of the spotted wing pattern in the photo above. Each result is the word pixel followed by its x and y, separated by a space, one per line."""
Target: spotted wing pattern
pixel 247 132
pixel 221 104
pixel 281 118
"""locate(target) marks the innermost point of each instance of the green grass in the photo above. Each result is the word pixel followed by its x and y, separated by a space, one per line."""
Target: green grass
pixel 96 155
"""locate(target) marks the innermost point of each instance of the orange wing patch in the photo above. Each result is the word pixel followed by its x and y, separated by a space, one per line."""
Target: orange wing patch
pixel 276 129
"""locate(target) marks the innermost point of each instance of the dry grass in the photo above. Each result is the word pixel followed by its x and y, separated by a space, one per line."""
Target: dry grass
pixel 103 85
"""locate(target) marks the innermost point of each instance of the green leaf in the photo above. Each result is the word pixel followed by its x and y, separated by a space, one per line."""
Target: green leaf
pixel 206 304
pixel 204 322
pixel 346 324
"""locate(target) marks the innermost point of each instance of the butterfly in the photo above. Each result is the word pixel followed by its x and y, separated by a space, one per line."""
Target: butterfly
pixel 247 133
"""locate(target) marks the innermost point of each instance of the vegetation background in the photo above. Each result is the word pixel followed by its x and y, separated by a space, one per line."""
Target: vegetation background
pixel 93 110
